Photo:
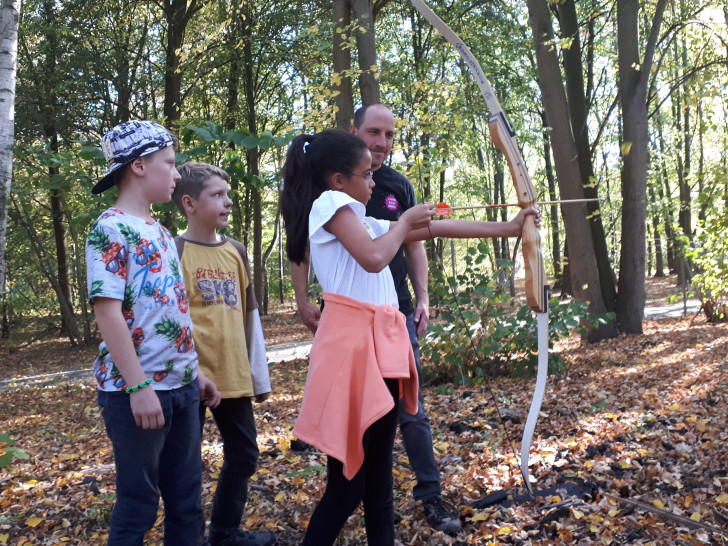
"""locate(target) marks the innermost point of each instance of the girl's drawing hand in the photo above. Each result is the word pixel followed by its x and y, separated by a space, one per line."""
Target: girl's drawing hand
pixel 419 216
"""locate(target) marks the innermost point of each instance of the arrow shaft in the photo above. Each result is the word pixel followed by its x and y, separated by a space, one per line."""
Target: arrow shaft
pixel 503 205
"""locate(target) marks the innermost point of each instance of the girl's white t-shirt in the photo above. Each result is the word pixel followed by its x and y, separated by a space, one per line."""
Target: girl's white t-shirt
pixel 335 268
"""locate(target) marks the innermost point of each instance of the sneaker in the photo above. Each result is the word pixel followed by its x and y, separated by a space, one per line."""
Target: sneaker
pixel 440 517
pixel 246 538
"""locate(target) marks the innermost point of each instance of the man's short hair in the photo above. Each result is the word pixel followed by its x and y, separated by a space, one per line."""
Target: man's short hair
pixel 361 112
pixel 194 178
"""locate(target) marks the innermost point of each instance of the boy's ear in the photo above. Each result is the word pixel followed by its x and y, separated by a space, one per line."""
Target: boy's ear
pixel 137 166
pixel 188 204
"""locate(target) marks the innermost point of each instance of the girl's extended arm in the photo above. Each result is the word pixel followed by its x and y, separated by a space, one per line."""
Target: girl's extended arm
pixel 465 229
pixel 375 254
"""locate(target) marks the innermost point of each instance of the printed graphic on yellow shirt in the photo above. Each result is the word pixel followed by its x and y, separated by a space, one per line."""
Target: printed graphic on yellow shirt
pixel 217 287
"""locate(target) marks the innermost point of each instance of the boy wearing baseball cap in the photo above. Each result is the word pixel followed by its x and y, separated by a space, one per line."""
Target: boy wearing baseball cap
pixel 146 371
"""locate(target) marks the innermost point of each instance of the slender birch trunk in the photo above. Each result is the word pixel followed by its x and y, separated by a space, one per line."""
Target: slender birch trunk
pixel 9 16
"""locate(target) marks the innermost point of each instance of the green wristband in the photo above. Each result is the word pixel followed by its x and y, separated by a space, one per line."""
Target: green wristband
pixel 138 387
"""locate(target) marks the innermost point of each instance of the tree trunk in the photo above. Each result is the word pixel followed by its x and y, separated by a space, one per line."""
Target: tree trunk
pixel 578 111
pixel 344 100
pixel 177 14
pixel 232 117
pixel 682 150
pixel 50 129
pixel 9 16
pixel 634 70
pixel 44 261
pixel 253 154
pixel 266 255
pixel 583 263
pixel 659 259
pixel 367 51
pixel 663 193
pixel 60 234
pixel 554 209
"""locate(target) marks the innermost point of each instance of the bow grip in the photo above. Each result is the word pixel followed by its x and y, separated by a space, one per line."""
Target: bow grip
pixel 504 139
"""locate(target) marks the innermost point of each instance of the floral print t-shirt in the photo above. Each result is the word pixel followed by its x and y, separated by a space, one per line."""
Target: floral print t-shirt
pixel 135 261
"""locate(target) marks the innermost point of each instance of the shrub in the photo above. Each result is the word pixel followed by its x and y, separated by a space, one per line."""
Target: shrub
pixel 477 332
pixel 709 256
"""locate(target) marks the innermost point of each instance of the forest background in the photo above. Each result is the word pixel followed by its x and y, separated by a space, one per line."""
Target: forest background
pixel 620 100
pixel 624 101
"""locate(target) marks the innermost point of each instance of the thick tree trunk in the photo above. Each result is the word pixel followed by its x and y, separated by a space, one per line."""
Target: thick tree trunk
pixel 634 70
pixel 367 51
pixel 344 100
pixel 9 16
pixel 584 270
pixel 177 14
pixel 578 110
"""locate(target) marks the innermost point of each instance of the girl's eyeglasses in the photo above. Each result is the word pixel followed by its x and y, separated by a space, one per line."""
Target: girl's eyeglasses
pixel 368 175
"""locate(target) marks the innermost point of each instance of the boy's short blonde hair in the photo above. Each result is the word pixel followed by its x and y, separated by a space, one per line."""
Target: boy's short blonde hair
pixel 194 177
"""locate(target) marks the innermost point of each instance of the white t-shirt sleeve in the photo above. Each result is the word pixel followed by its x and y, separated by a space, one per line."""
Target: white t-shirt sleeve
pixel 336 269
pixel 323 210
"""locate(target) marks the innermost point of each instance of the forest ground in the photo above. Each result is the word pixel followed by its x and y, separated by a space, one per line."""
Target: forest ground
pixel 635 427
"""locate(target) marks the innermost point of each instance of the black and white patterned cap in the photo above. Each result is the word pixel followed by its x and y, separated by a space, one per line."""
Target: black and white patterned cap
pixel 125 143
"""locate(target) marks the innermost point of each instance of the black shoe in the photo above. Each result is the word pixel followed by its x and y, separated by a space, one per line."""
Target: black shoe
pixel 440 517
pixel 246 538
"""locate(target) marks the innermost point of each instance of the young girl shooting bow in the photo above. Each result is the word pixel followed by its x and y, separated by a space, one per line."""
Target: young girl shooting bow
pixel 361 359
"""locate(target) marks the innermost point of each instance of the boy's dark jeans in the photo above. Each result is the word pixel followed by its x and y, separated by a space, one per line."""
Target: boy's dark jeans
pixel 150 462
pixel 235 421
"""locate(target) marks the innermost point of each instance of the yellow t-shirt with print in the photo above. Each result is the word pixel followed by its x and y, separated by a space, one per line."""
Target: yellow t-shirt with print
pixel 218 286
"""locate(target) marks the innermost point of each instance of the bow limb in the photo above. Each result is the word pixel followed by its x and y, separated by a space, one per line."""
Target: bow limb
pixel 536 289
pixel 537 292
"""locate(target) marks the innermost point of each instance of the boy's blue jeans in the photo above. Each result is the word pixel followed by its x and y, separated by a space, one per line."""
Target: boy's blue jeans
pixel 153 462
pixel 417 436
pixel 236 423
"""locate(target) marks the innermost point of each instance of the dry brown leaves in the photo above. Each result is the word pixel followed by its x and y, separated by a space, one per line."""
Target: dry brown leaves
pixel 639 417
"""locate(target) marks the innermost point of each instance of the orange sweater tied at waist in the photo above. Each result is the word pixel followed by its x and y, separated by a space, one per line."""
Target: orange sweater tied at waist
pixel 356 346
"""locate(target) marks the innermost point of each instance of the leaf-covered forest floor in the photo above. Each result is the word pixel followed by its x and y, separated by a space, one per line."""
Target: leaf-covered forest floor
pixel 638 423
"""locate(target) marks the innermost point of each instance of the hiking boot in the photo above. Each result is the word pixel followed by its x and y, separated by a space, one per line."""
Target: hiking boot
pixel 246 538
pixel 440 517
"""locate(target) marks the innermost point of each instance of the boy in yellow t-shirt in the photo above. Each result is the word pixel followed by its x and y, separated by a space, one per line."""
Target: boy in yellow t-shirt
pixel 228 337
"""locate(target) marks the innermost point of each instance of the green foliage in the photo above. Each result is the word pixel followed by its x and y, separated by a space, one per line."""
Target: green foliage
pixel 307 472
pixel 216 143
pixel 101 514
pixel 709 255
pixel 9 451
pixel 477 332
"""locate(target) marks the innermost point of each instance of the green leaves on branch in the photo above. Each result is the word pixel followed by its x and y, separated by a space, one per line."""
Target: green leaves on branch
pixel 477 331
pixel 709 256
pixel 232 145
pixel 244 139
